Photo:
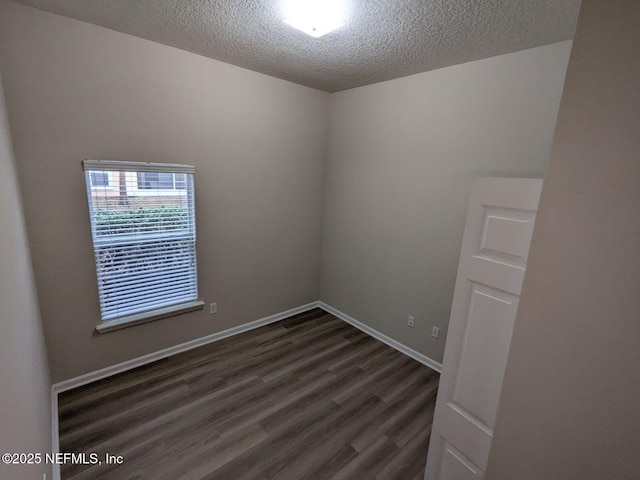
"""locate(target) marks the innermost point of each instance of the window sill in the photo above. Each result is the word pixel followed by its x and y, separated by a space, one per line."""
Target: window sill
pixel 150 316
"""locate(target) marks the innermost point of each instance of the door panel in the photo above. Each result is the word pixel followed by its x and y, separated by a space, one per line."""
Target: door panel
pixel 507 235
pixel 484 352
pixel 456 466
pixel 492 263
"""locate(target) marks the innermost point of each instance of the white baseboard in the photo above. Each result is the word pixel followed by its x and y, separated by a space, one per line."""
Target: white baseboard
pixel 214 337
pixel 429 362
pixel 183 347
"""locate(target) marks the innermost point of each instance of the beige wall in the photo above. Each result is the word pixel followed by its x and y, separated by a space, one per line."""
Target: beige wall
pixel 77 91
pixel 570 402
pixel 25 412
pixel 400 162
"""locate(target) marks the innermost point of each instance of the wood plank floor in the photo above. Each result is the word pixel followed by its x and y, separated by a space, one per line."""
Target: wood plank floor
pixel 310 397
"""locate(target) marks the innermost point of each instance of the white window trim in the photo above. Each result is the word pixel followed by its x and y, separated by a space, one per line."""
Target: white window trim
pixel 150 316
pixel 131 168
pixel 120 165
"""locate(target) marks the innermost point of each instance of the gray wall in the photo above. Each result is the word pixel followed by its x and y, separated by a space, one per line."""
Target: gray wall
pixel 400 162
pixel 569 405
pixel 25 388
pixel 78 91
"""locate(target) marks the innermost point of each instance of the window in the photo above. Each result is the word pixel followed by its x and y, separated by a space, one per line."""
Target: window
pixel 144 241
pixel 99 179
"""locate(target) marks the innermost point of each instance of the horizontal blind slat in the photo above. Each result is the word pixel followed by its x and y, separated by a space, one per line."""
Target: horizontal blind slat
pixel 149 295
pixel 127 309
pixel 138 257
pixel 122 312
pixel 142 285
pixel 148 239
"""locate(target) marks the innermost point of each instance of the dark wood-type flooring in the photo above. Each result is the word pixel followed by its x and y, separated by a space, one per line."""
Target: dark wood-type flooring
pixel 310 397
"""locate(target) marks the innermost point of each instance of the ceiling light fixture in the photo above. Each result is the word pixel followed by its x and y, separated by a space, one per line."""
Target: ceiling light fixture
pixel 315 17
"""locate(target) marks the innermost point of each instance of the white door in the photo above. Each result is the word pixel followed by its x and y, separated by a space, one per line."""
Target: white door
pixel 494 253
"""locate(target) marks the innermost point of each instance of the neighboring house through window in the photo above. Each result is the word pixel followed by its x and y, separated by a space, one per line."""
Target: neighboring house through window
pixel 144 239
pixel 161 181
pixel 99 179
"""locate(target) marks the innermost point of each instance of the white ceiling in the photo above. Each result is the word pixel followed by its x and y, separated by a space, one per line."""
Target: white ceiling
pixel 383 39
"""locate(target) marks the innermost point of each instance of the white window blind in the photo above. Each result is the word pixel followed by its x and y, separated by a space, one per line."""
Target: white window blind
pixel 144 236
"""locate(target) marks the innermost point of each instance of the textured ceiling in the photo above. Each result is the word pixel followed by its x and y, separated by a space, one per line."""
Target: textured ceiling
pixel 382 40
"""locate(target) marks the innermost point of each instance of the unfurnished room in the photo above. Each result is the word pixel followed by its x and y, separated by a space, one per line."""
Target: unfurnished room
pixel 320 239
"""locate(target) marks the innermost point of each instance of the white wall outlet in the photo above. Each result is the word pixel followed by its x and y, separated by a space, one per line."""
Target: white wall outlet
pixel 411 322
pixel 435 331
pixel 213 308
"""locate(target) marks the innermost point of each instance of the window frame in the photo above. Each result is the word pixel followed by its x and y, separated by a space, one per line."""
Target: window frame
pixel 99 241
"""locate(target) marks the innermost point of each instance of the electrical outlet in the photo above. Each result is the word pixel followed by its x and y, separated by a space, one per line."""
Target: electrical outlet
pixel 213 308
pixel 411 322
pixel 435 331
